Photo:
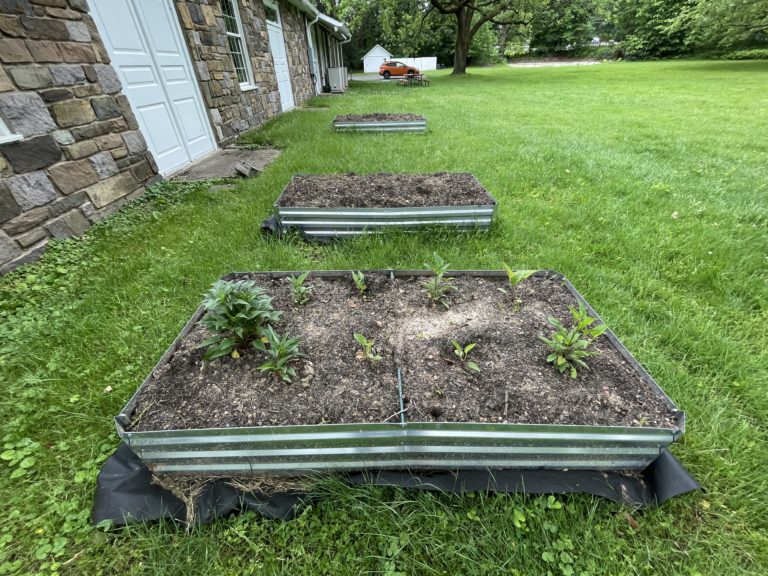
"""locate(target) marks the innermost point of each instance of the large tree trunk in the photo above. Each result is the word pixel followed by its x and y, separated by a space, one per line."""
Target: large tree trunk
pixel 463 40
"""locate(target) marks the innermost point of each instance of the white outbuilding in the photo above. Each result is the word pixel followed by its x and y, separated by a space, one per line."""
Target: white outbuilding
pixel 374 58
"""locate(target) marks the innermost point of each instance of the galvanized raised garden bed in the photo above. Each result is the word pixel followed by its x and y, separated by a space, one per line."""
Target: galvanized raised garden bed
pixel 418 126
pixel 403 445
pixel 344 221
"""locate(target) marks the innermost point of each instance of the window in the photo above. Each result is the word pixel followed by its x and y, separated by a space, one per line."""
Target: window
pixel 271 13
pixel 6 135
pixel 236 41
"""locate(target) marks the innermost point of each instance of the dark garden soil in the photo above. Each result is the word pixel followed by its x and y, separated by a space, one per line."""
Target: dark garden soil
pixel 378 117
pixel 384 191
pixel 335 385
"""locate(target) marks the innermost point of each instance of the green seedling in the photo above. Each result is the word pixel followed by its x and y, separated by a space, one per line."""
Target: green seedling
pixel 463 352
pixel 438 286
pixel 237 311
pixel 367 347
pixel 281 351
pixel 300 292
pixel 515 278
pixel 359 279
pixel 570 345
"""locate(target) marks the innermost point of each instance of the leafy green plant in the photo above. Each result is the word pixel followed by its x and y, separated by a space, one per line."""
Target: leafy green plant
pixel 515 278
pixel 438 286
pixel 280 351
pixel 569 345
pixel 301 293
pixel 463 352
pixel 237 312
pixel 359 279
pixel 367 347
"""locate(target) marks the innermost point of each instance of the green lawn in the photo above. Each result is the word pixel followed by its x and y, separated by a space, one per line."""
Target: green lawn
pixel 645 184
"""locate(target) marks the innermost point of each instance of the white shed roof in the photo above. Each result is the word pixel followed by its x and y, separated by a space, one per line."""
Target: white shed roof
pixel 378 50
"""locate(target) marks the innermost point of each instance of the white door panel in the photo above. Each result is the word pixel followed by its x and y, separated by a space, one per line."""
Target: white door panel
pixel 147 50
pixel 277 47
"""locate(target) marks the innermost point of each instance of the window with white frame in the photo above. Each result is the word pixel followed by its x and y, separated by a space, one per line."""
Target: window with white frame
pixel 6 135
pixel 236 40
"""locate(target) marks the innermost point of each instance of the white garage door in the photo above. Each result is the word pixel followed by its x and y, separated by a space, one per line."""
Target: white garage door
pixel 277 46
pixel 145 44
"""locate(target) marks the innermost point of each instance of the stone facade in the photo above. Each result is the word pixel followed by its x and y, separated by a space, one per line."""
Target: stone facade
pixel 80 155
pixel 230 109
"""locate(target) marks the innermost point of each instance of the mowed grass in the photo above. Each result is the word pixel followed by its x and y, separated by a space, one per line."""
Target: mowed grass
pixel 645 184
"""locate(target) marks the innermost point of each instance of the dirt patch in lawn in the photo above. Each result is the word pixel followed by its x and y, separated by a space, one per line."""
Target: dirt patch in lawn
pixel 334 385
pixel 379 117
pixel 384 190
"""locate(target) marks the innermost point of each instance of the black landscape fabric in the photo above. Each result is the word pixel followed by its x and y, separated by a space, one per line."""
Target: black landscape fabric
pixel 125 492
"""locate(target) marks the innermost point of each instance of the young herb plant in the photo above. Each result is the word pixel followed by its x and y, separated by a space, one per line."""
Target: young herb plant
pixel 359 279
pixel 463 352
pixel 237 311
pixel 367 348
pixel 301 293
pixel 515 277
pixel 570 346
pixel 280 351
pixel 438 286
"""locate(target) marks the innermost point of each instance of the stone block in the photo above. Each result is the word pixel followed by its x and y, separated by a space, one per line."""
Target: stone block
pixel 13 51
pixel 56 94
pixel 63 137
pixel 73 113
pixel 44 51
pixel 32 153
pixel 31 77
pixel 105 108
pixel 81 149
pixel 78 31
pixel 66 204
pixel 184 14
pixel 81 5
pixel 63 13
pixel 9 249
pixel 92 130
pixel 25 113
pixel 210 19
pixel 56 3
pixel 85 90
pixel 45 28
pixel 107 78
pixel 70 177
pixel 11 26
pixel 67 74
pixel 142 171
pixel 196 14
pixel 109 141
pixel 15 7
pixel 27 220
pixel 71 224
pixel 5 81
pixel 107 191
pixel 31 190
pixel 77 53
pixel 202 71
pixel 104 165
pixel 31 238
pixel 120 152
pixel 135 142
pixel 90 73
pixel 8 206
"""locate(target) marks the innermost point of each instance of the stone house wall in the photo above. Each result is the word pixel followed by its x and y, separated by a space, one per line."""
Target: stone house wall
pixel 231 110
pixel 81 154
